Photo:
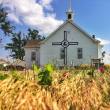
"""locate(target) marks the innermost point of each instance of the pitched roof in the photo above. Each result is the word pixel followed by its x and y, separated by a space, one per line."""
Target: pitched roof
pixel 33 44
pixel 80 29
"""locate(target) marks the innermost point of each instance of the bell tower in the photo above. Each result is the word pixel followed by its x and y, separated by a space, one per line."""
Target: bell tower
pixel 69 12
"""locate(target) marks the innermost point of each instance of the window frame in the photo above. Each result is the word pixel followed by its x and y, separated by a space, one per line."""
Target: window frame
pixel 80 53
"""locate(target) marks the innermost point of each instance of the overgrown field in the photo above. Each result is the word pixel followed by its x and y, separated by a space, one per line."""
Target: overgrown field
pixel 48 89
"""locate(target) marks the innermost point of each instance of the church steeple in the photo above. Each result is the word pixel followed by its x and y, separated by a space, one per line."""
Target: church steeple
pixel 69 11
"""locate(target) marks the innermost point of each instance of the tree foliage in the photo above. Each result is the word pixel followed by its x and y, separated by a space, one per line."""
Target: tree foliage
pixel 5 25
pixel 34 35
pixel 16 47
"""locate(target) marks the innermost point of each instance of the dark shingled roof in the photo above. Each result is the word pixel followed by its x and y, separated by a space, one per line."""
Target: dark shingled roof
pixel 32 44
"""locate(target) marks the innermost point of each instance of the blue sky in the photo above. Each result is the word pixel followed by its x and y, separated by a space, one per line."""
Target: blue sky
pixel 93 16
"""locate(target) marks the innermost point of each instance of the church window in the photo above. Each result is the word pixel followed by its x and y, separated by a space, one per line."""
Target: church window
pixel 33 56
pixel 80 53
pixel 62 54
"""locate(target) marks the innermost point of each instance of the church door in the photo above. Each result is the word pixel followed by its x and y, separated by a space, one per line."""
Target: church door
pixel 35 57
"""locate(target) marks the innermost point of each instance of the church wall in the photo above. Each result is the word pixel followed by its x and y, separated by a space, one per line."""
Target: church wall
pixel 51 53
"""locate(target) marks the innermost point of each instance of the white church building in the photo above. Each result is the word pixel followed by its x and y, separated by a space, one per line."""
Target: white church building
pixel 67 45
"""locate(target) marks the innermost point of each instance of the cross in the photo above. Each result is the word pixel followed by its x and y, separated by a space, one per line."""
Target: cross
pixel 65 43
pixel 69 5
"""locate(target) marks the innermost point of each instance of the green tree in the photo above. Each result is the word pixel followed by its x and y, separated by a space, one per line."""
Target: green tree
pixel 34 35
pixel 5 25
pixel 16 46
pixel 18 42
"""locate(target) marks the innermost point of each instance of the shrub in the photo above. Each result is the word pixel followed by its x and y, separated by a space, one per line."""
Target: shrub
pixel 44 75
pixel 3 76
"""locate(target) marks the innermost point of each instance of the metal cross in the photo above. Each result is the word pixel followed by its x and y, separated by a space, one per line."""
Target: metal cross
pixel 65 43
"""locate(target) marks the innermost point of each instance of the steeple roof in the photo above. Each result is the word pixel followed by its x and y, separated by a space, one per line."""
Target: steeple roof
pixel 69 11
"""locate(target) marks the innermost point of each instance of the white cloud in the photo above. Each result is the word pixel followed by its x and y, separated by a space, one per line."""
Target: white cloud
pixel 12 17
pixel 46 4
pixel 107 59
pixel 103 41
pixel 32 13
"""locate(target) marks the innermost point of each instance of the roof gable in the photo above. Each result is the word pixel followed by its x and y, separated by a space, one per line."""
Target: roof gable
pixel 77 27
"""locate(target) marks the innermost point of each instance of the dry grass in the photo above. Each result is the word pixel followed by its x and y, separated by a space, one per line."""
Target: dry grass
pixel 77 92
